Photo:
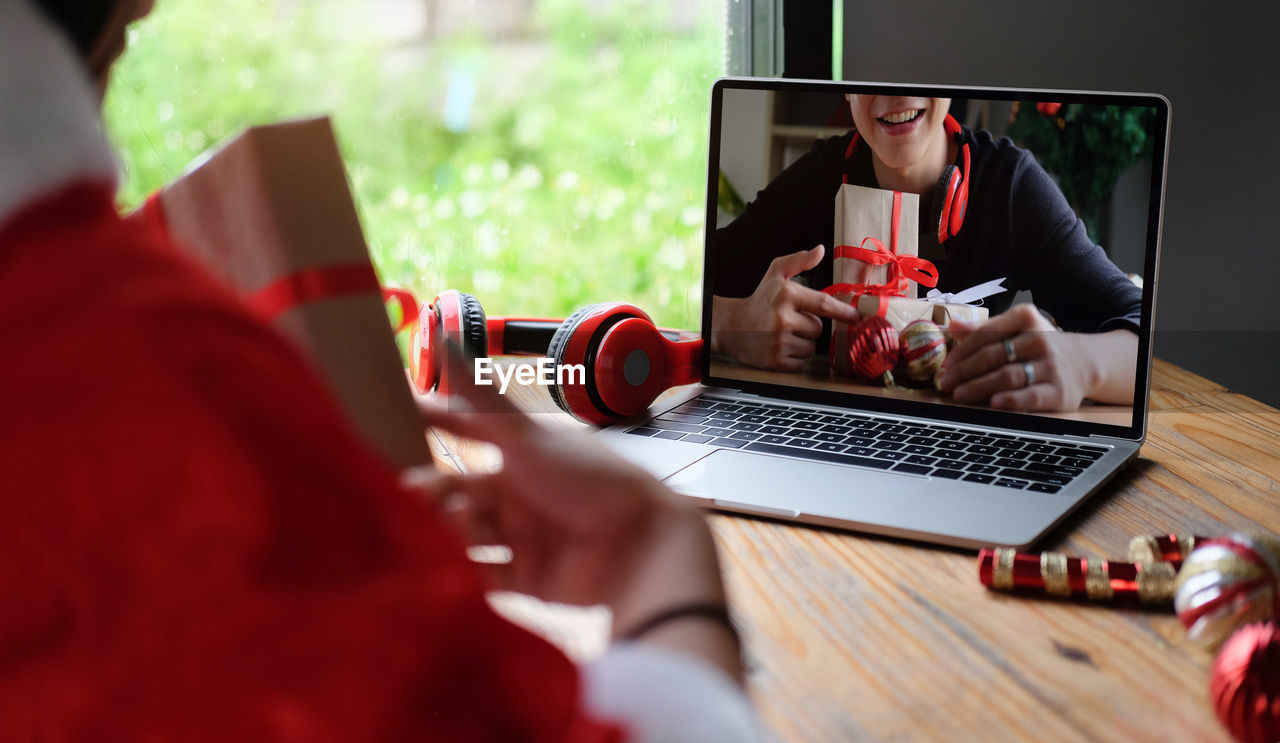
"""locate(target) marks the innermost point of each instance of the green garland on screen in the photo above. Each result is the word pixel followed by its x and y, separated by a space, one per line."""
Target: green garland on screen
pixel 1085 148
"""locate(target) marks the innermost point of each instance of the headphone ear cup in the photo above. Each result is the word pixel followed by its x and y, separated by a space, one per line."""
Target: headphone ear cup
pixel 943 196
pixel 632 366
pixel 452 317
pixel 556 349
pixel 475 331
pixel 422 360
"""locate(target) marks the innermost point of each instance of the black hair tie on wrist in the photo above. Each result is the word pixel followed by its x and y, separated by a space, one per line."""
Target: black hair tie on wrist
pixel 716 612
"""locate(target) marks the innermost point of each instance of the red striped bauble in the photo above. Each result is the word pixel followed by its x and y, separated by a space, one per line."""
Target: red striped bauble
pixel 874 348
pixel 1244 684
pixel 924 348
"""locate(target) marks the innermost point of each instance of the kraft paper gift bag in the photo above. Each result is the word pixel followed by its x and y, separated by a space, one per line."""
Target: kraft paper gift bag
pixel 270 212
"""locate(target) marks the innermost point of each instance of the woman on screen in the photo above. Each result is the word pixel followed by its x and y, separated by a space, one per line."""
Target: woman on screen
pixel 1017 226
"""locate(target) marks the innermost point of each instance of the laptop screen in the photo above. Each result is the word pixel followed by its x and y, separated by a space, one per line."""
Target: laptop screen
pixel 987 256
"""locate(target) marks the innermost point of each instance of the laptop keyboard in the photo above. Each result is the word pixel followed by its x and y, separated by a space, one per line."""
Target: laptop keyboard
pixel 1005 460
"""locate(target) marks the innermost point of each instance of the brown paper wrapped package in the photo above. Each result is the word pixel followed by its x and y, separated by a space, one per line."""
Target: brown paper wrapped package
pixel 274 201
pixel 863 212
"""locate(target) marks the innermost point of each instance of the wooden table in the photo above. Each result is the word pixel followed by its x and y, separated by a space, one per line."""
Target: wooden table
pixel 850 637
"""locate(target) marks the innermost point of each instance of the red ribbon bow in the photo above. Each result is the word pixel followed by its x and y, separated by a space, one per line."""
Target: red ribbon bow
pixel 902 268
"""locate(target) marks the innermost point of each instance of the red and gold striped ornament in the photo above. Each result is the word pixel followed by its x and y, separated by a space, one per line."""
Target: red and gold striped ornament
pixel 1226 583
pixel 924 348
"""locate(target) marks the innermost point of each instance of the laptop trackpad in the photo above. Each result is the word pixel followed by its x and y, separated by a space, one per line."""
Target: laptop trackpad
pixel 784 487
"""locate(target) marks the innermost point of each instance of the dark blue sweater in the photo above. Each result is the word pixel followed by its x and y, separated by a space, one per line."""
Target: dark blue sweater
pixel 1018 225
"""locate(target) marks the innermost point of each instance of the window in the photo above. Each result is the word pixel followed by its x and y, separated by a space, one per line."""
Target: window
pixel 541 154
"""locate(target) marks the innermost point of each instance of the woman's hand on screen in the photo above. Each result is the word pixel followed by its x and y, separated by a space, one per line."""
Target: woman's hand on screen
pixel 1018 361
pixel 777 326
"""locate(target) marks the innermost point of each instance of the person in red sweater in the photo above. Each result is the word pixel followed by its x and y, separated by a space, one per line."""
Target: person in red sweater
pixel 196 546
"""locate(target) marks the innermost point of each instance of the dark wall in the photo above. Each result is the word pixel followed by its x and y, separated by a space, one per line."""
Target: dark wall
pixel 1216 311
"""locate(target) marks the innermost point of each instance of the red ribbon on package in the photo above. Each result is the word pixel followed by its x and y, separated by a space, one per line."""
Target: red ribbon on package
pixel 313 285
pixel 876 290
pixel 303 287
pixel 902 268
pixel 330 282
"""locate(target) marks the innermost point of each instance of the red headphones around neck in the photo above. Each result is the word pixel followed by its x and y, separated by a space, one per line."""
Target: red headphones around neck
pixel 952 194
pixel 627 360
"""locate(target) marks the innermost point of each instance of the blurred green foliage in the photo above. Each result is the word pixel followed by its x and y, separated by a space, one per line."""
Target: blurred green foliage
pixel 1086 148
pixel 577 176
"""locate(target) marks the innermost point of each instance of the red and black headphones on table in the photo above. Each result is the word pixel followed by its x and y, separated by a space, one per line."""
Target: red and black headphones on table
pixel 952 194
pixel 627 359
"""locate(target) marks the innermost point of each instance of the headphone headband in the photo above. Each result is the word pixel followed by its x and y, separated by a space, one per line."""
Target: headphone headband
pixel 951 126
pixel 519 336
pixel 530 336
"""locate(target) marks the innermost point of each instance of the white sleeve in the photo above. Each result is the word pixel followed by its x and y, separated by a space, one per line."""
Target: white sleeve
pixel 661 696
pixel 50 132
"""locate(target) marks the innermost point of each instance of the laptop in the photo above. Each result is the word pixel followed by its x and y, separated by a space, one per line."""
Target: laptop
pixel 794 438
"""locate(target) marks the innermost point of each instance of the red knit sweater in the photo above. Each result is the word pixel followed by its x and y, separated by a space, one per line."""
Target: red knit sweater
pixel 197 548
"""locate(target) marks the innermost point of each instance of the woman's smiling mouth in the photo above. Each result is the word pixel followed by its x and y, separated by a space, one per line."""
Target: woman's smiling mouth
pixel 901 123
pixel 901 117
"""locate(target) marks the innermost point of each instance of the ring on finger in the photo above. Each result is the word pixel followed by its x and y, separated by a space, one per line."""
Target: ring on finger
pixel 1030 371
pixel 1010 352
